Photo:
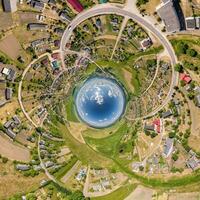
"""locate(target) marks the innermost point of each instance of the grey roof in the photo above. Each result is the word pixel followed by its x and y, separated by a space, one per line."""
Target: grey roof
pixel 166 114
pixel 168 146
pixel 16 120
pixel 38 42
pixel 149 127
pixel 197 99
pixel 37 26
pixel 22 167
pixel 10 133
pixel 10 5
pixel 49 164
pixel 190 23
pixel 8 124
pixel 11 75
pixel 8 93
pixel 37 5
pixel 192 163
pixel 168 14
pixel 64 16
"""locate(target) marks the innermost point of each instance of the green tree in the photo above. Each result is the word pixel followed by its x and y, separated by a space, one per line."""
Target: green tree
pixel 191 52
pixel 179 68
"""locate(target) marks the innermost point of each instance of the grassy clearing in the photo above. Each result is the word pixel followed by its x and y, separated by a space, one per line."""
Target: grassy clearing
pixel 70 110
pixel 66 168
pixel 108 145
pixel 82 151
pixel 119 194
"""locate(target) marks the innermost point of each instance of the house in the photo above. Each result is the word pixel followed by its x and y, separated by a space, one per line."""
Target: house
pixel 157 125
pixel 38 5
pixel 190 23
pixel 38 42
pixel 81 175
pixel 10 5
pixel 97 188
pixel 197 100
pixel 167 114
pixel 5 71
pixel 55 56
pixel 146 43
pixel 149 127
pixel 16 120
pixel 8 124
pixel 185 77
pixel 48 164
pixel 168 147
pixel 59 31
pixel 64 16
pixel 37 26
pixel 8 93
pixel 10 133
pixel 57 43
pixel 52 2
pixel 76 5
pixel 45 61
pixel 169 15
pixel 11 75
pixel 192 163
pixel 22 167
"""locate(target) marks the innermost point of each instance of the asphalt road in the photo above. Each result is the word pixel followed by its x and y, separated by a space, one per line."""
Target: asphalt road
pixel 110 9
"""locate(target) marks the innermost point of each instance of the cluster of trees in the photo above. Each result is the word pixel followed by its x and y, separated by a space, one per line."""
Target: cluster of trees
pixel 183 48
pixel 141 2
pixel 4 60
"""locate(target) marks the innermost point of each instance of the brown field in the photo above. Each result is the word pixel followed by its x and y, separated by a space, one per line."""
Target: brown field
pixel 12 150
pixel 5 20
pixel 8 110
pixel 12 182
pixel 10 46
pixel 27 17
pixel 128 78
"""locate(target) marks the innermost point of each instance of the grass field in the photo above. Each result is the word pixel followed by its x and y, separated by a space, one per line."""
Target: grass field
pixel 70 110
pixel 119 194
pixel 108 145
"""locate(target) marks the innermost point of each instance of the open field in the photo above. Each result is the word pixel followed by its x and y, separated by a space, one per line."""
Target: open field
pixel 13 151
pixel 10 46
pixel 12 182
pixel 119 194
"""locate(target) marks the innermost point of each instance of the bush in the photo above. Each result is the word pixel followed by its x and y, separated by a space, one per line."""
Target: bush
pixel 191 52
pixel 4 159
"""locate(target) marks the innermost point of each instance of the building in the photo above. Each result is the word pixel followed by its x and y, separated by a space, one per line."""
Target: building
pixel 16 120
pixel 168 147
pixel 146 43
pixel 185 77
pixel 192 163
pixel 37 26
pixel 64 16
pixel 8 93
pixel 10 133
pixel 190 23
pixel 37 5
pixel 10 5
pixel 22 167
pixel 149 127
pixel 169 15
pixel 197 100
pixel 76 5
pixel 167 114
pixel 11 75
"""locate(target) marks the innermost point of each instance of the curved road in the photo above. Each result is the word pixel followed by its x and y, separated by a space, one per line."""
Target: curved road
pixel 111 9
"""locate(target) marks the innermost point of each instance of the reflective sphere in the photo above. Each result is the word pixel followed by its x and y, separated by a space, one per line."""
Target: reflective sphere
pixel 100 102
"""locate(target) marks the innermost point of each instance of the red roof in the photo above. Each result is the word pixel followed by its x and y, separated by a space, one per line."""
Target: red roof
pixel 185 77
pixel 55 56
pixel 157 124
pixel 76 5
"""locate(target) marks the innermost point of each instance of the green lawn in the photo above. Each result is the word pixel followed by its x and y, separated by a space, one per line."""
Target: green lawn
pixel 108 145
pixel 119 194
pixel 59 174
pixel 70 110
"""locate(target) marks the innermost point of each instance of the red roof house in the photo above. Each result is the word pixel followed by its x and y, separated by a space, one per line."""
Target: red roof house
pixel 76 5
pixel 55 56
pixel 185 77
pixel 157 125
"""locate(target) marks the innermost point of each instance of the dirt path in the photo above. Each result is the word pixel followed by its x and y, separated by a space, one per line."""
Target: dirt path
pixel 76 130
pixel 13 151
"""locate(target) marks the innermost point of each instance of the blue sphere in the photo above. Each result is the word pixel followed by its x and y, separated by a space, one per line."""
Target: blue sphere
pixel 100 102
